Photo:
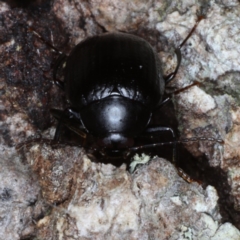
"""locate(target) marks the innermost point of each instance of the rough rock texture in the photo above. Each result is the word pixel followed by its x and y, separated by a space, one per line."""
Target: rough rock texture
pixel 211 109
pixel 18 196
pixel 100 201
pixel 214 106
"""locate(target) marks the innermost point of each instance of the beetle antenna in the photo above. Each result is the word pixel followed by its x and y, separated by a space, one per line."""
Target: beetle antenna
pixel 184 140
pixel 195 83
pixel 200 18
pixel 44 40
pixel 170 76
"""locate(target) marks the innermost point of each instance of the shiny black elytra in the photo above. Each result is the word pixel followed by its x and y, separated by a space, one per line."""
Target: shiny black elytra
pixel 114 83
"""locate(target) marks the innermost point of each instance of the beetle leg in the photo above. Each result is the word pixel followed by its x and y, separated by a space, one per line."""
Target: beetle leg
pixel 186 177
pixel 58 131
pixel 59 115
pixel 71 120
pixel 170 95
pixel 58 63
pixel 170 76
pixel 153 131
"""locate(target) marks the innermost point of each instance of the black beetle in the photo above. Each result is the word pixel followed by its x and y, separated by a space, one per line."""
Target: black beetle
pixel 114 82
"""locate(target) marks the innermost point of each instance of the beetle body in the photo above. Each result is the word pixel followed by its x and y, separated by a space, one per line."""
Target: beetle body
pixel 114 82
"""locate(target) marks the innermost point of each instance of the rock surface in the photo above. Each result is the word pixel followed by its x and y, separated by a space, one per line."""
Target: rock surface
pixel 98 201
pixel 58 189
